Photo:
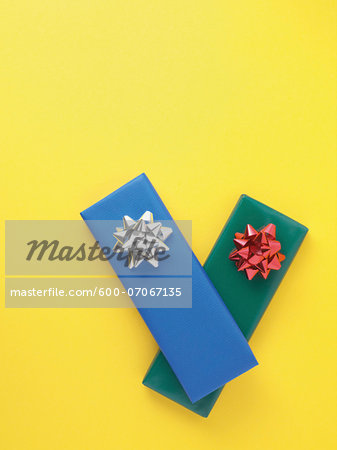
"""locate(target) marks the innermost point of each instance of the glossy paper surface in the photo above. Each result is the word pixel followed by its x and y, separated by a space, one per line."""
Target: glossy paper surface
pixel 246 299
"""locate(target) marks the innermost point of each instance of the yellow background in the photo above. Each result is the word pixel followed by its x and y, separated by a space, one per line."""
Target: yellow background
pixel 211 99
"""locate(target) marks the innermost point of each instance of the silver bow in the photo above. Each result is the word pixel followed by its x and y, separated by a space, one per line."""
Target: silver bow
pixel 142 239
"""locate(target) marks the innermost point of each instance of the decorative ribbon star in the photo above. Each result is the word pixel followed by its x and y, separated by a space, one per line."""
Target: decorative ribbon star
pixel 143 239
pixel 257 251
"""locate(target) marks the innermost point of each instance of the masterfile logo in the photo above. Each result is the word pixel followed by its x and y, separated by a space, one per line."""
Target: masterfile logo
pixel 60 264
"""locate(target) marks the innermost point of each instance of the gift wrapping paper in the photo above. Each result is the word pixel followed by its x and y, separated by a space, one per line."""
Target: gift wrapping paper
pixel 246 299
pixel 203 343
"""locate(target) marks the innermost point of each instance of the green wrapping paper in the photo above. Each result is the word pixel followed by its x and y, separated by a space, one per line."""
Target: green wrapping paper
pixel 246 299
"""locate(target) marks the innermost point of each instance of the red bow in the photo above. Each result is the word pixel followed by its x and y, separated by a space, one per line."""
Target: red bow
pixel 257 251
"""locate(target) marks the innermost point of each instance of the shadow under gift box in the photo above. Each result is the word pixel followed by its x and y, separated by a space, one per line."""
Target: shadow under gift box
pixel 246 300
pixel 203 345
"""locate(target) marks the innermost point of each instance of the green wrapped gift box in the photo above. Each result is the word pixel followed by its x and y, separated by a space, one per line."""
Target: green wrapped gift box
pixel 246 299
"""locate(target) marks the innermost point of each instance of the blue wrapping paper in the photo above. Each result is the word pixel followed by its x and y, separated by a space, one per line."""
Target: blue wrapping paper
pixel 203 345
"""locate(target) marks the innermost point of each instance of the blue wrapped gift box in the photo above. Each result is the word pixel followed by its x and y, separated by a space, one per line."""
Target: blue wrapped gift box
pixel 203 345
